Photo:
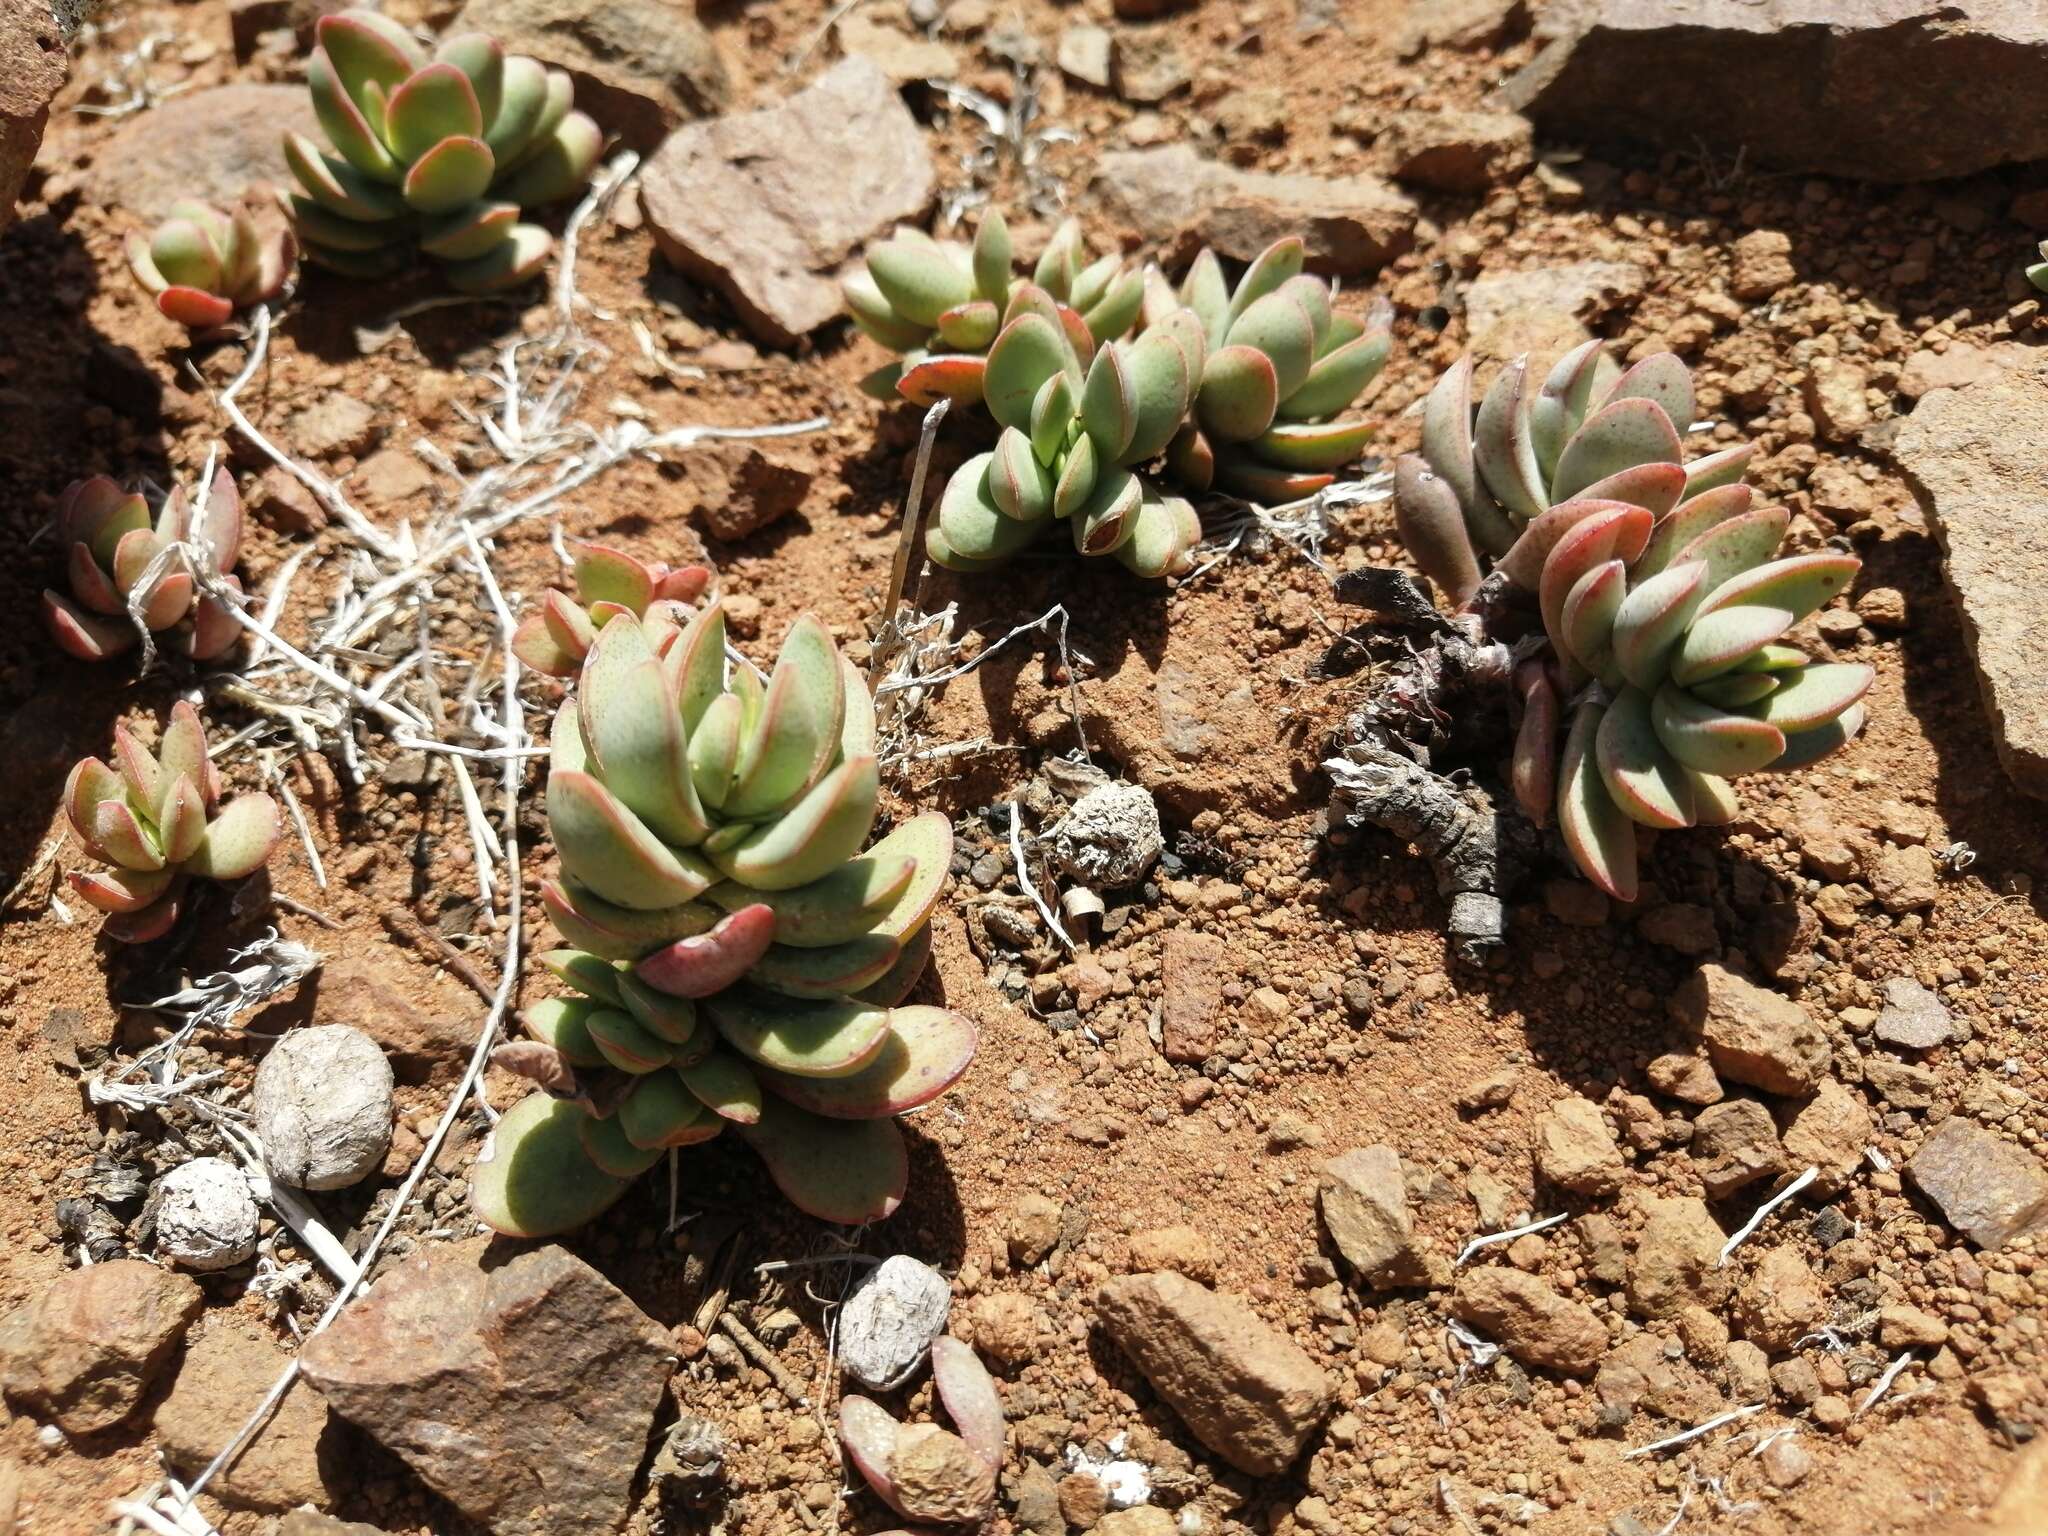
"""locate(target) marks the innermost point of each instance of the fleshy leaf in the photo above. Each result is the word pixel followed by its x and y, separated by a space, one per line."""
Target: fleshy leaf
pixel 1615 437
pixel 238 839
pixel 923 1053
pixel 725 1087
pixel 1649 784
pixel 710 962
pixel 969 1393
pixel 846 1171
pixel 605 847
pixel 1239 395
pixel 1712 740
pixel 563 1022
pixel 1600 837
pixel 625 1042
pixel 1503 449
pixel 1813 695
pixel 870 893
pixel 832 1037
pixel 833 971
pixel 534 1178
pixel 620 933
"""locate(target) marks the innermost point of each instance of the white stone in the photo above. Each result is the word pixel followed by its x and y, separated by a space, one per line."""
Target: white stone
pixel 322 1106
pixel 887 1326
pixel 1110 838
pixel 205 1215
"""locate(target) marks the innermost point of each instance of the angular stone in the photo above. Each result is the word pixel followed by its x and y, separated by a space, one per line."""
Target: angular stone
pixel 1248 1392
pixel 33 55
pixel 887 1325
pixel 1829 1133
pixel 1890 91
pixel 1576 1151
pixel 298 1457
pixel 1985 1187
pixel 1146 66
pixel 1974 456
pixel 1191 980
pixel 82 1354
pixel 310 1522
pixel 1752 1035
pixel 1543 311
pixel 1762 261
pixel 521 1389
pixel 1084 54
pixel 1530 1320
pixel 640 66
pixel 214 145
pixel 1905 879
pixel 1912 1017
pixel 905 58
pixel 764 206
pixel 1676 1263
pixel 1172 195
pixel 1781 1302
pixel 1463 24
pixel 1458 151
pixel 1735 1144
pixel 1365 1205
pixel 740 488
pixel 1685 1075
pixel 1902 1085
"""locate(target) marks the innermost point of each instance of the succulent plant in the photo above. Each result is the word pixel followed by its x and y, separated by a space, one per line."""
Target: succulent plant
pixel 2037 272
pixel 157 818
pixel 1281 367
pixel 920 1470
pixel 609 582
pixel 437 153
pixel 1660 593
pixel 109 544
pixel 942 303
pixel 201 265
pixel 740 959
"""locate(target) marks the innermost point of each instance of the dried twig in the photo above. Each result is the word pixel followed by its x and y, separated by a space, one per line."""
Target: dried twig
pixel 1743 1233
pixel 1687 1435
pixel 1489 1239
pixel 764 1357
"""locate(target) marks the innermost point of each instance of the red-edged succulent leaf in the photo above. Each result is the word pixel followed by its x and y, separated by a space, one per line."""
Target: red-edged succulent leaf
pixel 121 890
pixel 149 923
pixel 840 970
pixel 1600 837
pixel 711 962
pixel 181 822
pixel 194 308
pixel 869 1431
pixel 609 850
pixel 1615 437
pixel 534 643
pixel 832 1037
pixel 1432 526
pixel 1664 379
pixel 797 734
pixel 901 978
pixel 1240 393
pixel 513 260
pixel 1279 325
pixel 1813 695
pixel 1313 446
pixel 119 835
pixel 927 839
pixel 969 1393
pixel 923 1053
pixel 181 749
pixel 1809 746
pixel 1615 532
pixel 820 832
pixel 534 1178
pixel 626 1043
pixel 1587 624
pixel 726 1087
pixel 1648 784
pixel 1503 448
pixel 1717 469
pixel 949 376
pixel 867 894
pixel 1029 351
pixel 1652 620
pixel 238 839
pixel 81 634
pixel 562 1023
pixel 451 175
pixel 1734 544
pixel 93 586
pixel 613 932
pixel 1712 740
pixel 88 784
pixel 214 631
pixel 606 1144
pixel 1656 485
pixel 1265 484
pixel 1532 772
pixel 846 1171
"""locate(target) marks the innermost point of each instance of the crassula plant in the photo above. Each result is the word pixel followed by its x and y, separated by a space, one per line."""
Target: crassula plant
pixel 941 303
pixel 609 584
pixel 201 265
pixel 157 818
pixel 1280 368
pixel 110 542
pixel 740 956
pixel 922 1471
pixel 1661 593
pixel 437 153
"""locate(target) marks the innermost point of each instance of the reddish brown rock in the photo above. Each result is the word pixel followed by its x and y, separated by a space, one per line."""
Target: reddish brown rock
pixel 1781 1302
pixel 1530 1320
pixel 213 144
pixel 1456 151
pixel 1986 1188
pixel 1576 1151
pixel 1889 91
pixel 1676 1263
pixel 1365 1207
pixel 764 206
pixel 1172 195
pixel 521 1389
pixel 84 1352
pixel 1191 993
pixel 1752 1035
pixel 299 1456
pixel 1829 1133
pixel 32 61
pixel 1248 1392
pixel 1975 456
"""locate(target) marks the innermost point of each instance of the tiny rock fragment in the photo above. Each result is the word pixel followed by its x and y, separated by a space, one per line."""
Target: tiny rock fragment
pixel 1576 1151
pixel 936 1477
pixel 1985 1187
pixel 1735 1143
pixel 1034 1228
pixel 1685 1075
pixel 1185 1250
pixel 888 1323
pixel 221 1375
pixel 1829 1134
pixel 1191 993
pixel 1364 1202
pixel 1677 1258
pixel 1781 1302
pixel 1248 1392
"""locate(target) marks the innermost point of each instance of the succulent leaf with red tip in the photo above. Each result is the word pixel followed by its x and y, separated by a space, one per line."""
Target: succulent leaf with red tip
pixel 940 304
pixel 201 265
pixel 158 819
pixel 739 953
pixel 436 153
pixel 608 582
pixel 1661 591
pixel 1281 368
pixel 110 543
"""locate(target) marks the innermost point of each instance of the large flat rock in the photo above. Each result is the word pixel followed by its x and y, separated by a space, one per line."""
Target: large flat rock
pixel 214 145
pixel 1975 456
pixel 32 60
pixel 1878 90
pixel 765 206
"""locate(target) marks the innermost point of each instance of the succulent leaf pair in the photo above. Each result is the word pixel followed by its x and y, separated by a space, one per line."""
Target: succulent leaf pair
pixel 941 303
pixel 201 265
pixel 1660 593
pixel 439 152
pixel 109 544
pixel 1280 368
pixel 920 1470
pixel 609 584
pixel 157 818
pixel 740 959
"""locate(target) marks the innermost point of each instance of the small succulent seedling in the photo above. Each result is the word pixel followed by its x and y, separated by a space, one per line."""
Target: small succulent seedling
pixel 157 818
pixel 740 955
pixel 942 303
pixel 919 1470
pixel 1281 368
pixel 109 544
pixel 1660 592
pixel 2037 272
pixel 609 583
pixel 440 153
pixel 201 265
